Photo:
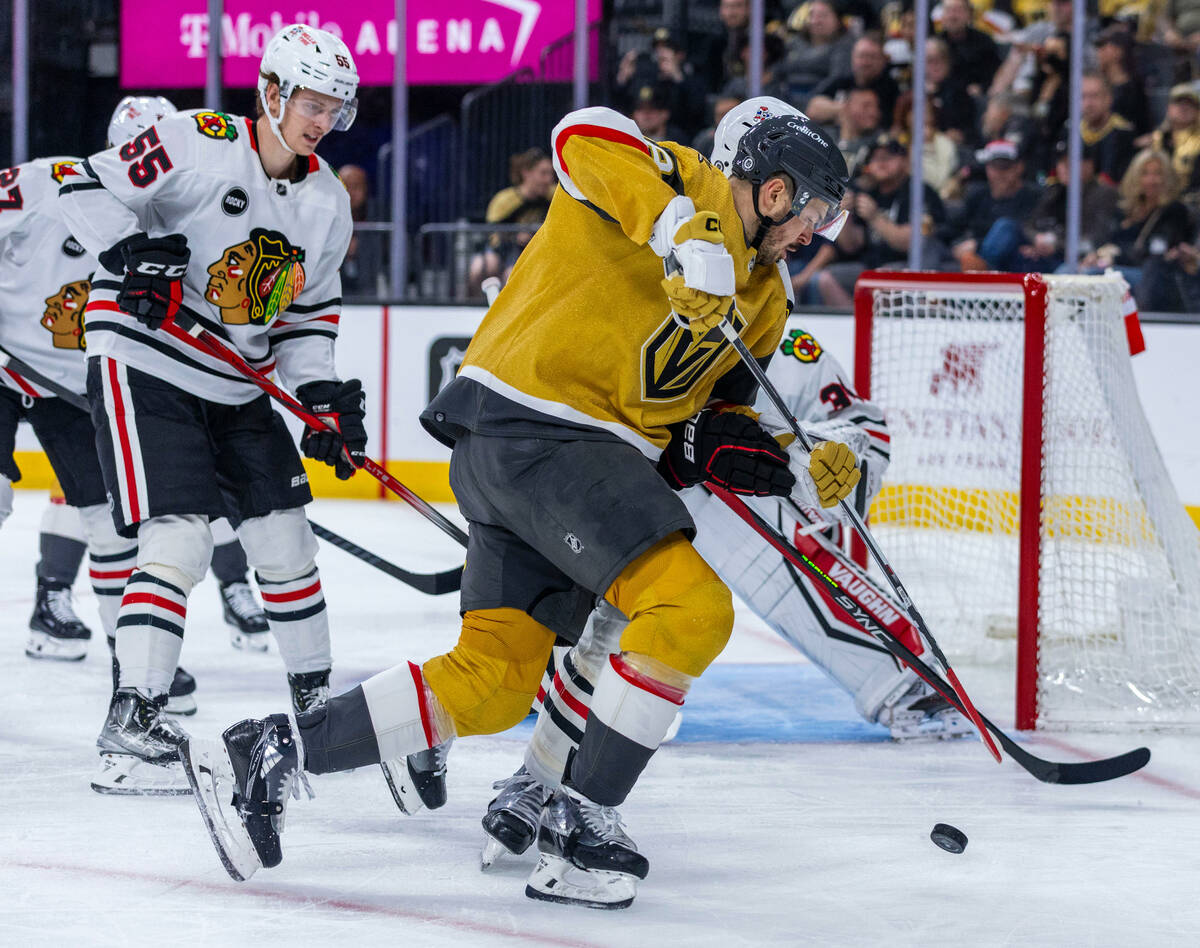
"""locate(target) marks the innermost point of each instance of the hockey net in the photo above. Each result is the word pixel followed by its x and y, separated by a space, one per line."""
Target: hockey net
pixel 1027 507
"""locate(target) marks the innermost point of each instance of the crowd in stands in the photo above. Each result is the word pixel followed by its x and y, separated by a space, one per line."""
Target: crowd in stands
pixel 997 107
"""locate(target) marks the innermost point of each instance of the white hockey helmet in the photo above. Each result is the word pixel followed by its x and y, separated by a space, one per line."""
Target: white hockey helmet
pixel 739 120
pixel 134 114
pixel 304 57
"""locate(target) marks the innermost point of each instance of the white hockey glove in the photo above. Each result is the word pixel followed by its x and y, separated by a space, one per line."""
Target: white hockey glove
pixel 700 281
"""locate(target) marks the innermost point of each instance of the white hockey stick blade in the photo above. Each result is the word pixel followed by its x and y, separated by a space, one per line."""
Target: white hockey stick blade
pixel 555 879
pixel 210 775
pixel 395 772
pixel 129 776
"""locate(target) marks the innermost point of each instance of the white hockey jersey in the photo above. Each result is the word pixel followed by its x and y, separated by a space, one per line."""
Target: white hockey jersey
pixel 44 275
pixel 265 252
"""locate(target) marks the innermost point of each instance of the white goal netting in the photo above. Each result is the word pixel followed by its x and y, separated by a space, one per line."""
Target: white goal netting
pixel 1118 595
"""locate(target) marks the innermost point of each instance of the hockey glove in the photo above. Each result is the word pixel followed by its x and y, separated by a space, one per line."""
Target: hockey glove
pixel 342 405
pixel 827 475
pixel 729 449
pixel 154 269
pixel 700 274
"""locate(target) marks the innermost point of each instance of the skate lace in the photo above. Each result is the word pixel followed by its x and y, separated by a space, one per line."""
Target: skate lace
pixel 522 795
pixel 241 600
pixel 604 821
pixel 59 603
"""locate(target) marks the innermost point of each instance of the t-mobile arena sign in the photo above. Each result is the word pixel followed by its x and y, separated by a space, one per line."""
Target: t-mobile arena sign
pixel 165 42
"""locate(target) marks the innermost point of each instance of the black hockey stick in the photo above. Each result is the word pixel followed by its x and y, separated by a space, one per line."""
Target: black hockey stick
pixel 432 584
pixel 1047 771
pixel 855 521
pixel 10 361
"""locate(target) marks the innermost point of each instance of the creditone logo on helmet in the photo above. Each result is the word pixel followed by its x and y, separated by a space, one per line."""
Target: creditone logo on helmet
pixel 64 314
pixel 673 359
pixel 810 132
pixel 63 169
pixel 216 125
pixel 256 280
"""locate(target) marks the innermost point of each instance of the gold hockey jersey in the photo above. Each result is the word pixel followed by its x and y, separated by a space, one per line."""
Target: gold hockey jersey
pixel 581 343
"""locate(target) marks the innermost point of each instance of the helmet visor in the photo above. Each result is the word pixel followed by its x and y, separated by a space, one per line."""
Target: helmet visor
pixel 827 219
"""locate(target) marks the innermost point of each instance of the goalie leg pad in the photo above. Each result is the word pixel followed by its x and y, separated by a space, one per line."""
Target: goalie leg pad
pixel 488 681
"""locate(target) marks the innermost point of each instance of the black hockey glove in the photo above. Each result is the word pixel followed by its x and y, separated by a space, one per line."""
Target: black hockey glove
pixel 154 269
pixel 729 449
pixel 342 405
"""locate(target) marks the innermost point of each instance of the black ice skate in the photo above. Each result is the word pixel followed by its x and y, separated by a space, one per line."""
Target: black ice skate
pixel 587 858
pixel 241 785
pixel 419 780
pixel 139 748
pixel 511 820
pixel 920 713
pixel 180 698
pixel 245 617
pixel 55 632
pixel 309 689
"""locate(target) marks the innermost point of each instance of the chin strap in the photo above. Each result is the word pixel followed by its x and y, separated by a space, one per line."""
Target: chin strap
pixel 764 223
pixel 274 122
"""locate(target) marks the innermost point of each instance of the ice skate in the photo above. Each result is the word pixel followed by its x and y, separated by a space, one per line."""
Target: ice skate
pixel 245 617
pixel 921 714
pixel 309 689
pixel 419 780
pixel 139 748
pixel 241 785
pixel 587 858
pixel 55 632
pixel 180 698
pixel 511 820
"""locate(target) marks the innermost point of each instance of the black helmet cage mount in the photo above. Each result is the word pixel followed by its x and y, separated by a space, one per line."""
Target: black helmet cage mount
pixel 787 145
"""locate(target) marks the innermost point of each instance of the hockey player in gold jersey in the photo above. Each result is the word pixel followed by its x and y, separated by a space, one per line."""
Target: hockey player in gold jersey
pixel 594 386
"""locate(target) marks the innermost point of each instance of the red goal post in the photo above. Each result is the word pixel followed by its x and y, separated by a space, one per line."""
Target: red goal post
pixel 1026 497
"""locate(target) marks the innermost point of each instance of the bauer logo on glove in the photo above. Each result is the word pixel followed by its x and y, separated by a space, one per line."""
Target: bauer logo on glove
pixel 728 448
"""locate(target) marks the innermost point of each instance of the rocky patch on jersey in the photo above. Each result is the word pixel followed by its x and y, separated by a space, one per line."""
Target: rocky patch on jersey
pixel 256 280
pixel 802 346
pixel 63 169
pixel 673 358
pixel 216 125
pixel 64 314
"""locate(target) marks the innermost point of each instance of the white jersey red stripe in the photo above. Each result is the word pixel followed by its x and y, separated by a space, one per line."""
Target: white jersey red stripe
pixel 122 424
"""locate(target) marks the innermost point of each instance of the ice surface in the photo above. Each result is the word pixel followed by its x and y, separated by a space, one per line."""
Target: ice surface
pixel 776 818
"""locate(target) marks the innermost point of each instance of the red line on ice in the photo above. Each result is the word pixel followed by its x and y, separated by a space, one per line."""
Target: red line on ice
pixel 1192 793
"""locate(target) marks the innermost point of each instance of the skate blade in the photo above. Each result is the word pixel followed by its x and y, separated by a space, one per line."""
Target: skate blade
pixel 554 879
pixel 674 728
pixel 206 764
pixel 395 772
pixel 936 729
pixel 183 705
pixel 47 647
pixel 129 776
pixel 249 642
pixel 492 850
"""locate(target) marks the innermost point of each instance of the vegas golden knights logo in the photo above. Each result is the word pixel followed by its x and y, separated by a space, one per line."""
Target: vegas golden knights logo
pixel 64 314
pixel 256 280
pixel 673 358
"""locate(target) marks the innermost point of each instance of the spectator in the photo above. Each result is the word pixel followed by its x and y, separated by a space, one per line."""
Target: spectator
pixel 1114 58
pixel 1007 116
pixel 1183 30
pixel 819 47
pixel 939 154
pixel 526 202
pixel 652 113
pixel 1154 225
pixel 364 257
pixel 956 108
pixel 1047 222
pixel 974 58
pixel 1179 137
pixel 880 228
pixel 868 67
pixel 1020 70
pixel 858 123
pixel 666 66
pixel 1107 137
pixel 774 82
pixel 981 232
pixel 718 60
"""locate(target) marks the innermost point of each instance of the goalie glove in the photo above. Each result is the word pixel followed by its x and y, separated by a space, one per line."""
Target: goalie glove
pixel 341 405
pixel 727 448
pixel 700 273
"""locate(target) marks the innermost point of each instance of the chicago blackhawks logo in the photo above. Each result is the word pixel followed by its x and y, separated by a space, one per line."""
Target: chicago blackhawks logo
pixel 256 280
pixel 215 125
pixel 64 315
pixel 802 346
pixel 673 358
pixel 63 169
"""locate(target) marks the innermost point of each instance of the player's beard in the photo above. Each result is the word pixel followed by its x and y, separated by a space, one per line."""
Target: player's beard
pixel 772 249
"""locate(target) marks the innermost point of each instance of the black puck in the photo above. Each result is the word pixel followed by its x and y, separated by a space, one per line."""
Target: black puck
pixel 949 838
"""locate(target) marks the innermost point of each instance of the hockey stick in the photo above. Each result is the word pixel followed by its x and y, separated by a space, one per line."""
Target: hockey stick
pixel 1096 771
pixel 11 362
pixel 183 325
pixel 856 522
pixel 432 584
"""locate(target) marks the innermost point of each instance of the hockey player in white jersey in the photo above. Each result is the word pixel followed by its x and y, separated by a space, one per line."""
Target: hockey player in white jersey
pixel 240 222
